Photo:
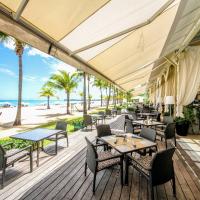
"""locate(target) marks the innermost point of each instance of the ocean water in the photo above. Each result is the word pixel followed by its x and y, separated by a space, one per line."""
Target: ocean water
pixel 41 102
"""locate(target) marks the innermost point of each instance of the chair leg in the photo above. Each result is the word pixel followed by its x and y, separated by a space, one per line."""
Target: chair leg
pixel 3 177
pixel 151 191
pixel 94 182
pixel 174 186
pixel 121 171
pixel 175 140
pixel 85 168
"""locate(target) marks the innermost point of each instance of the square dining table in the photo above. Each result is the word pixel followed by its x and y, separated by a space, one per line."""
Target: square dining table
pixel 148 123
pixel 127 143
pixel 36 136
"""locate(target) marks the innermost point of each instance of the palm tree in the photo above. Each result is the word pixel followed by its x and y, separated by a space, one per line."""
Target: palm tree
pixel 83 75
pixel 99 84
pixel 47 92
pixel 19 49
pixel 64 81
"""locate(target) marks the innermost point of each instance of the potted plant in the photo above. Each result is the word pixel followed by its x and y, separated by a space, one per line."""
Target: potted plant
pixel 182 126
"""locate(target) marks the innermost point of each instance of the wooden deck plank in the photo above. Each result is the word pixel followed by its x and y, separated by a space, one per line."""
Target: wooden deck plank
pixel 111 183
pixel 89 194
pixel 62 177
pixel 52 177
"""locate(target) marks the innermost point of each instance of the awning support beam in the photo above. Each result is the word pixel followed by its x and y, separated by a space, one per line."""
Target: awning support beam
pixel 143 75
pixel 20 9
pixel 152 18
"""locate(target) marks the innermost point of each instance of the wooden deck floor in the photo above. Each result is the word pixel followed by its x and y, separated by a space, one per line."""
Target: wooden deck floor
pixel 62 177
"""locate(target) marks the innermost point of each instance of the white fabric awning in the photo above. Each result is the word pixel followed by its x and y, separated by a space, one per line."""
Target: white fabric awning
pixel 116 40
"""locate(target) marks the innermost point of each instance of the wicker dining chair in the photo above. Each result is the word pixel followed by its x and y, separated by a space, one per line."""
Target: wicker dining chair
pixel 157 169
pixel 149 134
pixel 60 125
pixel 89 121
pixel 97 161
pixel 168 133
pixel 9 157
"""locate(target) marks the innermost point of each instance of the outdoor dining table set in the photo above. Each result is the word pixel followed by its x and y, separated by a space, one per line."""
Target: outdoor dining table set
pixel 127 143
pixel 36 136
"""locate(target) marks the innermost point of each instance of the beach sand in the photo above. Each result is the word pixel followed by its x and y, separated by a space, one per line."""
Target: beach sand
pixel 31 117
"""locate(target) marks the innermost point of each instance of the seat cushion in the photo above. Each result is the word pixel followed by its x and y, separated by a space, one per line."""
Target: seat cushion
pixel 143 163
pixel 107 163
pixel 14 155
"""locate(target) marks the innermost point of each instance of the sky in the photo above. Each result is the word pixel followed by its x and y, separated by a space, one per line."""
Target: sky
pixel 37 68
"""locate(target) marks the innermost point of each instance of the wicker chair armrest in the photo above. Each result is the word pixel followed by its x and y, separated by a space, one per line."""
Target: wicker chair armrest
pixel 109 158
pixel 140 166
pixel 20 150
pixel 98 145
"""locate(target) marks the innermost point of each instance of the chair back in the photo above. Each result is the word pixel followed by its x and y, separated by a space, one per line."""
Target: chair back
pixel 108 112
pixel 129 126
pixel 158 116
pixel 168 119
pixel 2 153
pixel 162 167
pixel 87 119
pixel 103 130
pixel 61 125
pixel 91 156
pixel 170 131
pixel 148 133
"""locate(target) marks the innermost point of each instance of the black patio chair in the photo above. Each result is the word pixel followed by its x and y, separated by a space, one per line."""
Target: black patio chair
pixel 103 130
pixel 168 133
pixel 89 121
pixel 114 112
pixel 131 128
pixel 100 161
pixel 60 125
pixel 9 157
pixel 101 117
pixel 149 134
pixel 108 114
pixel 157 170
pixel 166 120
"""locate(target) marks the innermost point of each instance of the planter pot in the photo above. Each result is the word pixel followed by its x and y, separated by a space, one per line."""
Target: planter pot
pixel 182 128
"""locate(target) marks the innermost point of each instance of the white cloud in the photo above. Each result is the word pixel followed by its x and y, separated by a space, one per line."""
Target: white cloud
pixel 7 71
pixel 56 65
pixel 44 79
pixel 36 52
pixel 29 78
pixel 10 44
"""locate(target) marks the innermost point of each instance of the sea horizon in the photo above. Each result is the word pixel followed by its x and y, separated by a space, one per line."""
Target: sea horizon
pixel 36 102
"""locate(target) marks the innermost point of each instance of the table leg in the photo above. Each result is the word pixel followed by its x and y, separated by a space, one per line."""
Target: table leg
pixel 126 159
pixel 38 153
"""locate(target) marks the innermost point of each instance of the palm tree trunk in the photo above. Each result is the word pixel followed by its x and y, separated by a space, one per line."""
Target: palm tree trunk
pixel 48 106
pixel 88 92
pixel 101 96
pixel 84 94
pixel 68 101
pixel 19 106
pixel 108 97
pixel 114 96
